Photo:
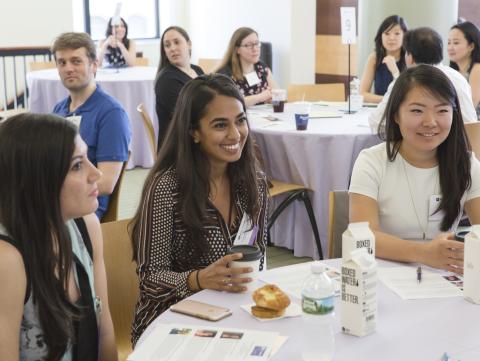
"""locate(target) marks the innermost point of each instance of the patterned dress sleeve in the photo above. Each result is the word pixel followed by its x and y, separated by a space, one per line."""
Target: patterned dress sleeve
pixel 262 219
pixel 158 280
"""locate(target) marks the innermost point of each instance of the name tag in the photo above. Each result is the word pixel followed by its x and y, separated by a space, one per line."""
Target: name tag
pixel 433 206
pixel 252 78
pixel 247 233
pixel 76 119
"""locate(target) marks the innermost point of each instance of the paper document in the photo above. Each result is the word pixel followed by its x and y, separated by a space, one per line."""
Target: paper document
pixel 403 281
pixel 178 342
pixel 290 278
pixel 325 114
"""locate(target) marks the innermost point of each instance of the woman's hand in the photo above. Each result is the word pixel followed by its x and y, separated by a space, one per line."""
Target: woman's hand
pixel 111 41
pixel 266 95
pixel 218 276
pixel 445 253
pixel 391 64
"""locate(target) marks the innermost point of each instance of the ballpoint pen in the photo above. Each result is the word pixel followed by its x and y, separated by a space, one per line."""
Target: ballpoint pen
pixel 419 274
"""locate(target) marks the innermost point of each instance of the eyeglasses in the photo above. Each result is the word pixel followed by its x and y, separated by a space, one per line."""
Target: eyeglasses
pixel 251 46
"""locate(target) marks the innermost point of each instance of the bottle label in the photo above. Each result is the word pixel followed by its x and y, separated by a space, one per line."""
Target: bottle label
pixel 317 306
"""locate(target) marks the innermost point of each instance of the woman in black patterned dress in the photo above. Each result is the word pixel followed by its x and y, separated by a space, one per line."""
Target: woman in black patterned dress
pixel 204 182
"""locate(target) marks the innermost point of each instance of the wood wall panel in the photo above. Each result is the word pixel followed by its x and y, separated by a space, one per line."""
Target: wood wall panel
pixel 332 56
pixel 328 15
pixel 469 10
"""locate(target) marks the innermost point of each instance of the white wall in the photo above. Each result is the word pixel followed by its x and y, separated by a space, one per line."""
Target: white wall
pixel 33 23
pixel 288 24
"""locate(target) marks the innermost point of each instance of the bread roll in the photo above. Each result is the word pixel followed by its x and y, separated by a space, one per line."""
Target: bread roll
pixel 262 312
pixel 271 297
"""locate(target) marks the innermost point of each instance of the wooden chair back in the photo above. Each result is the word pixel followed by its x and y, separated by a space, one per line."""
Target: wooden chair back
pixel 122 280
pixel 41 65
pixel 209 65
pixel 338 220
pixel 141 61
pixel 114 200
pixel 334 92
pixel 147 122
pixel 473 134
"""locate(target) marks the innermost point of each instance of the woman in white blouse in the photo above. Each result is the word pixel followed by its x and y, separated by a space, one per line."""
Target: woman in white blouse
pixel 413 188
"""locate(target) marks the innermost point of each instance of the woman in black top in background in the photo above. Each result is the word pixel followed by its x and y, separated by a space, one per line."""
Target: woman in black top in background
pixel 174 71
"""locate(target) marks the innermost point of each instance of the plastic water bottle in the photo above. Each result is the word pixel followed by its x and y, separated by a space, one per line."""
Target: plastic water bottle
pixel 355 86
pixel 318 293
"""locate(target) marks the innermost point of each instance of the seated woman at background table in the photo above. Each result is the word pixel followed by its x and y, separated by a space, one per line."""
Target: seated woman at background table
pixel 174 71
pixel 205 182
pixel 242 63
pixel 464 53
pixel 387 61
pixel 413 188
pixel 117 49
pixel 54 303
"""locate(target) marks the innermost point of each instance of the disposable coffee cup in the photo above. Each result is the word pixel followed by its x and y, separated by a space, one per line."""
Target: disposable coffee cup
pixel 251 258
pixel 302 112
pixel 278 100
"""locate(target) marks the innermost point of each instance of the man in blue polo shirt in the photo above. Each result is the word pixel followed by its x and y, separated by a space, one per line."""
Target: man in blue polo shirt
pixel 104 124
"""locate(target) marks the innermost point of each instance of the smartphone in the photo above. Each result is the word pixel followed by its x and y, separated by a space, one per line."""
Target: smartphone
pixel 201 310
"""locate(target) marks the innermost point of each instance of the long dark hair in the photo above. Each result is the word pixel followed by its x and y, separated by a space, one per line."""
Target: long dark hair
pixel 231 59
pixel 453 154
pixel 472 34
pixel 192 167
pixel 35 155
pixel 380 51
pixel 164 62
pixel 109 31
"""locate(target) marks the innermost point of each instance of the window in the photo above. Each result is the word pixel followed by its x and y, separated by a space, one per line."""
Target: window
pixel 140 15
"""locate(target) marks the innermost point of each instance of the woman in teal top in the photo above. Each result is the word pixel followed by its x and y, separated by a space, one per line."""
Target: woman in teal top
pixel 53 304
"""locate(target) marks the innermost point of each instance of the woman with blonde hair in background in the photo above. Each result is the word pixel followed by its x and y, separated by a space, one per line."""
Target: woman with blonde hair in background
pixel 242 63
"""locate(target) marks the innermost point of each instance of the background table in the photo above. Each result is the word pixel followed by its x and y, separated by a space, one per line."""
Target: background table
pixel 413 330
pixel 321 158
pixel 130 86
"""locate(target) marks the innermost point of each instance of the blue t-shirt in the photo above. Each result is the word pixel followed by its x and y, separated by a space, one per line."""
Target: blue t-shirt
pixel 104 127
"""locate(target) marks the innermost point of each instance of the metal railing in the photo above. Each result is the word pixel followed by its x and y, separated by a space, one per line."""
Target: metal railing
pixel 13 62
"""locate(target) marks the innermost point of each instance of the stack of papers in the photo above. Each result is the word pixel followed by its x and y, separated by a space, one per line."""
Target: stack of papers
pixel 403 281
pixel 290 278
pixel 177 342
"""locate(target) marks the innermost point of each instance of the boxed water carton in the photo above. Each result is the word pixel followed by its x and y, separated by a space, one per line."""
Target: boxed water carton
pixel 358 235
pixel 359 293
pixel 471 266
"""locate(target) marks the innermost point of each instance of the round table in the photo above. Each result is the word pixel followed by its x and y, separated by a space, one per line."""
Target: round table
pixel 419 330
pixel 130 86
pixel 320 158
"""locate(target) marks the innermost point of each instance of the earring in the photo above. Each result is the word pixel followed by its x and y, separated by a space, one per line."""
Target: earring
pixel 195 140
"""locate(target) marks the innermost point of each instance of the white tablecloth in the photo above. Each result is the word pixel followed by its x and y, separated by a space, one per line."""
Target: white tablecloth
pixel 321 158
pixel 413 330
pixel 130 86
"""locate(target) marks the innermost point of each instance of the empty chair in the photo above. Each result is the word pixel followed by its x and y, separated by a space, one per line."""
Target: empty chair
pixel 293 192
pixel 473 134
pixel 122 281
pixel 338 220
pixel 315 92
pixel 141 62
pixel 209 65
pixel 147 122
pixel 41 65
pixel 113 202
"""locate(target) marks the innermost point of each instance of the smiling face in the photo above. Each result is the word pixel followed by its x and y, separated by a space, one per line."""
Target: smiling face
pixel 76 70
pixel 222 131
pixel 119 30
pixel 424 122
pixel 458 47
pixel 249 49
pixel 78 196
pixel 392 38
pixel 177 48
